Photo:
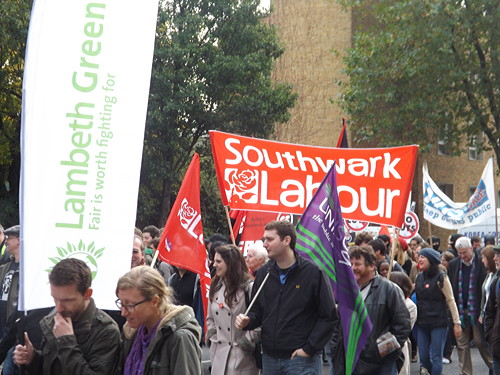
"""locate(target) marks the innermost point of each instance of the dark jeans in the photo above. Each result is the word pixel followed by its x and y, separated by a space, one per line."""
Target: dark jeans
pixel 496 366
pixel 287 366
pixel 9 367
pixel 430 348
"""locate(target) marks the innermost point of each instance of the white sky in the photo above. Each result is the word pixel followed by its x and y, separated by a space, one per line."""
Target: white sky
pixel 265 3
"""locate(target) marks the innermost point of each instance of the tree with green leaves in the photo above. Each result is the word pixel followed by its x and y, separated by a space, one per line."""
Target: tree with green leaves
pixel 211 70
pixel 14 20
pixel 425 69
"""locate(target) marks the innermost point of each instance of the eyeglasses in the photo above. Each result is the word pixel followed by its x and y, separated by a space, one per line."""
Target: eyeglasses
pixel 130 307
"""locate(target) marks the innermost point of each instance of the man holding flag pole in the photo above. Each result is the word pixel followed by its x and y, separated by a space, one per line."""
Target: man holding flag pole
pixel 294 306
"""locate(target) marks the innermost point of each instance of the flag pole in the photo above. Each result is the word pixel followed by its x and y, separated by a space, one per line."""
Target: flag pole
pixel 155 257
pixel 233 240
pixel 495 200
pixel 256 295
pixel 393 250
pixel 430 234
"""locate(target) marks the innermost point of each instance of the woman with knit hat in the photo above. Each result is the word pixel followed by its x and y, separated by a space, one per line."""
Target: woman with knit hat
pixel 434 298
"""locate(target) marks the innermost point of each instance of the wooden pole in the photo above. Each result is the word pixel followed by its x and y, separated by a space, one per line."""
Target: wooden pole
pixel 393 250
pixel 430 234
pixel 233 240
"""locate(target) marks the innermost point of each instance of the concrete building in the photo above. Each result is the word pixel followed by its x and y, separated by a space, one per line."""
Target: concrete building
pixel 315 34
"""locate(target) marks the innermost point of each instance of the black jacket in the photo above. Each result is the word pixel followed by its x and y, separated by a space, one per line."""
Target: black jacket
pixel 299 315
pixel 388 312
pixel 431 300
pixel 479 276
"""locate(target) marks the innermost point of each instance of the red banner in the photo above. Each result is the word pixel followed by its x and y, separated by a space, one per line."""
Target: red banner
pixel 182 240
pixel 249 226
pixel 261 175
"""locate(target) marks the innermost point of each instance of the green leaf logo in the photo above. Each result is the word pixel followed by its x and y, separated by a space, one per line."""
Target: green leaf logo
pixel 89 254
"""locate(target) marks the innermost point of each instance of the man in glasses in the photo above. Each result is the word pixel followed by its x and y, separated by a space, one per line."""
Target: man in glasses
pixel 78 337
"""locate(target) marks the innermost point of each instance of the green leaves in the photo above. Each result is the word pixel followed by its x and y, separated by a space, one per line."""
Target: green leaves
pixel 211 70
pixel 419 66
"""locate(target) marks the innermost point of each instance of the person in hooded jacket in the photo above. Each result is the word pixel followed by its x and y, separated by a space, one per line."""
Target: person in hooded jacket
pixel 158 337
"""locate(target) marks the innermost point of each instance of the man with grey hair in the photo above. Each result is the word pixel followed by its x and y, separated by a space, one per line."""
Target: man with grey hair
pixel 467 274
pixel 256 258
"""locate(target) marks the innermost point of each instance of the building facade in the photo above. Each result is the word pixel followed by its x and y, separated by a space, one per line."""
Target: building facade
pixel 315 34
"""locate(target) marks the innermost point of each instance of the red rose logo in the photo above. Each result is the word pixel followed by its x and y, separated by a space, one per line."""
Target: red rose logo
pixel 186 213
pixel 243 185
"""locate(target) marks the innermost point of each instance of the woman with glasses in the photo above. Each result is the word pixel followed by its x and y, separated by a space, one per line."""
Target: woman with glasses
pixel 231 349
pixel 158 337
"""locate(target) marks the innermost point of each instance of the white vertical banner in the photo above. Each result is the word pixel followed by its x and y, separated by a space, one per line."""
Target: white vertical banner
pixel 85 93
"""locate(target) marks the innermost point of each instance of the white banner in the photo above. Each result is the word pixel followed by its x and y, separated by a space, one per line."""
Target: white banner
pixel 440 210
pixel 86 85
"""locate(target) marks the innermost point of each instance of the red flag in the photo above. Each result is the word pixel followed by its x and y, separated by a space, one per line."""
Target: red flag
pixel 384 230
pixel 249 226
pixel 182 240
pixel 260 175
pixel 342 141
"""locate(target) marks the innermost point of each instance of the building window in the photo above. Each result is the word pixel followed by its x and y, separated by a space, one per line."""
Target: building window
pixel 443 148
pixel 447 189
pixel 475 152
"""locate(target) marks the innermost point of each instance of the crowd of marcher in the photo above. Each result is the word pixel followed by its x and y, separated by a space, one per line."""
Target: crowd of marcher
pixel 271 311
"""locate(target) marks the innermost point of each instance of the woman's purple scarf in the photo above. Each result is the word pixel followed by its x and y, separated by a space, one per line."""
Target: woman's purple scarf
pixel 134 365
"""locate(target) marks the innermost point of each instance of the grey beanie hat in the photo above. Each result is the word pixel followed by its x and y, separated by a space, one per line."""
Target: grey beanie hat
pixel 431 254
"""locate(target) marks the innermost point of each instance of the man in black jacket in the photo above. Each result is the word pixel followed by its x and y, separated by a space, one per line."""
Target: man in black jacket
pixel 295 306
pixel 387 310
pixel 467 274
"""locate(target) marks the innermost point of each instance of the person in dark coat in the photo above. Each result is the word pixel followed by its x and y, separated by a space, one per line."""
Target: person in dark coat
pixel 78 338
pixel 492 316
pixel 387 310
pixel 467 274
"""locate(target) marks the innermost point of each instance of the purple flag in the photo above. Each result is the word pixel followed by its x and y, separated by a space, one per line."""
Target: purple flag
pixel 321 238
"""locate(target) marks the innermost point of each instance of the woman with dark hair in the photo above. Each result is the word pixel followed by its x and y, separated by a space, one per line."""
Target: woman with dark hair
pixel 446 258
pixel 434 297
pixel 159 337
pixel 383 267
pixel 231 349
pixel 488 258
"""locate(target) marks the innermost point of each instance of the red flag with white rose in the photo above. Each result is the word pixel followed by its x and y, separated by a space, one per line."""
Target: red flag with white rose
pixel 182 242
